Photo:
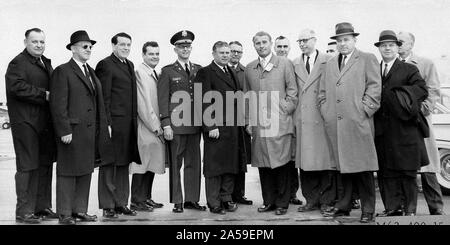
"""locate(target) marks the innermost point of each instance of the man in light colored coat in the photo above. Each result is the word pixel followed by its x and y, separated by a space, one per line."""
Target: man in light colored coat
pixel 313 155
pixel 427 69
pixel 272 151
pixel 150 142
pixel 349 95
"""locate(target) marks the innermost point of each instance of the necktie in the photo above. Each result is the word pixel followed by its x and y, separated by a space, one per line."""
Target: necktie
pixel 225 70
pixel 86 73
pixel 307 65
pixel 343 62
pixel 187 69
pixel 40 63
pixel 385 70
pixel 403 60
pixel 156 75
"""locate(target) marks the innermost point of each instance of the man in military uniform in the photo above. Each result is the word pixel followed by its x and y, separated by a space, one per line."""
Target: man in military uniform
pixel 177 119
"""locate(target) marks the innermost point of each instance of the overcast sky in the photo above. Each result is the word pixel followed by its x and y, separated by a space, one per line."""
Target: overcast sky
pixel 213 20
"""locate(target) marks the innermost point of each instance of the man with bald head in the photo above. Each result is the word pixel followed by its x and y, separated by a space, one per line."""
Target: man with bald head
pixel 427 69
pixel 313 157
pixel 282 46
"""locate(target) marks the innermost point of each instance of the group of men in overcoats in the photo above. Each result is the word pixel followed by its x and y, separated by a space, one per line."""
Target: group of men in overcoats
pixel 336 118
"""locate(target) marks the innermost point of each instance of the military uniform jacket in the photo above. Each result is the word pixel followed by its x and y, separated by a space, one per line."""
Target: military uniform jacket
pixel 174 82
pixel 76 108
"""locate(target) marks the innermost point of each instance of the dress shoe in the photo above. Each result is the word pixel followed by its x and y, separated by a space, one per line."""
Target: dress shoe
pixel 335 212
pixel 28 219
pixel 110 213
pixel 437 212
pixel 388 213
pixel 217 210
pixel 125 211
pixel 295 201
pixel 410 214
pixel 267 208
pixel 194 205
pixel 229 206
pixel 84 217
pixel 366 218
pixel 244 200
pixel 325 208
pixel 356 204
pixel 154 204
pixel 47 214
pixel 307 208
pixel 281 211
pixel 66 220
pixel 141 206
pixel 178 208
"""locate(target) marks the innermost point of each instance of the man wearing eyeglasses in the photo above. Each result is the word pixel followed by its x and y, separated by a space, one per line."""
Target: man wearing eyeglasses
pixel 179 124
pixel 313 157
pixel 27 91
pixel 81 126
pixel 116 73
pixel 282 46
pixel 239 185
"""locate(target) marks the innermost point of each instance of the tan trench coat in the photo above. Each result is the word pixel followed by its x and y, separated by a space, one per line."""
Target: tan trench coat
pixel 278 76
pixel 348 99
pixel 151 148
pixel 312 147
pixel 429 73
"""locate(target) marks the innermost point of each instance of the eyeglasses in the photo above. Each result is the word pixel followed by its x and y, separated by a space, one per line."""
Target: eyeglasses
pixel 236 51
pixel 86 46
pixel 282 46
pixel 304 40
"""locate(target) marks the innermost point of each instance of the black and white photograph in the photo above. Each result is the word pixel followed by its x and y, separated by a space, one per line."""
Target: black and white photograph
pixel 243 114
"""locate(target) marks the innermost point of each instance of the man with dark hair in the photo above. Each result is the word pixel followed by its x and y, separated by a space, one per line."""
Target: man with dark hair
pixel 282 46
pixel 81 126
pixel 116 73
pixel 239 183
pixel 223 147
pixel 151 146
pixel 183 138
pixel 27 92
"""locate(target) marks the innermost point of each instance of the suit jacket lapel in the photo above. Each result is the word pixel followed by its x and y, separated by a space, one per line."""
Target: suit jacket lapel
pixel 321 59
pixel 181 70
pixel 81 75
pixel 121 66
pixel 300 70
pixel 222 75
pixel 393 69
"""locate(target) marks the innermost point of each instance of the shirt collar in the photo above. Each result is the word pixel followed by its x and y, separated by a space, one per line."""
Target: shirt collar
pixel 183 63
pixel 80 64
pixel 149 67
pixel 267 59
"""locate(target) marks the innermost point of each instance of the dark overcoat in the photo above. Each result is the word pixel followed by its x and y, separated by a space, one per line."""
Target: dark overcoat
pixel 26 83
pixel 398 139
pixel 119 91
pixel 240 75
pixel 225 154
pixel 74 106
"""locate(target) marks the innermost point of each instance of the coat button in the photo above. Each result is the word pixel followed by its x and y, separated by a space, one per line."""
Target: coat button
pixel 89 125
pixel 89 110
pixel 338 84
pixel 339 118
pixel 338 101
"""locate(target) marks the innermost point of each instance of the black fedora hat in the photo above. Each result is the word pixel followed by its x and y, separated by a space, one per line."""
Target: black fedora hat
pixel 79 36
pixel 387 36
pixel 344 28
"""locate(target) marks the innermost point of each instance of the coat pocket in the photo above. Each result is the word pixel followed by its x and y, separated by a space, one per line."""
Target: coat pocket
pixel 74 121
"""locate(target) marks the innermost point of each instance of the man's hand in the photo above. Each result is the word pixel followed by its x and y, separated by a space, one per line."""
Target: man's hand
pixel 110 131
pixel 168 133
pixel 159 132
pixel 67 139
pixel 47 95
pixel 214 133
pixel 249 129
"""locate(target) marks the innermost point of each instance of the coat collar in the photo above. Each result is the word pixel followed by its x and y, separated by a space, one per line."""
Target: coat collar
pixel 316 71
pixel 220 73
pixel 119 63
pixel 275 61
pixel 33 60
pixel 350 63
pixel 394 67
pixel 81 75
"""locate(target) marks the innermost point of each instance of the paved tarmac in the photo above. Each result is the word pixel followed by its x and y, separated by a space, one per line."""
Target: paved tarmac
pixel 244 215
